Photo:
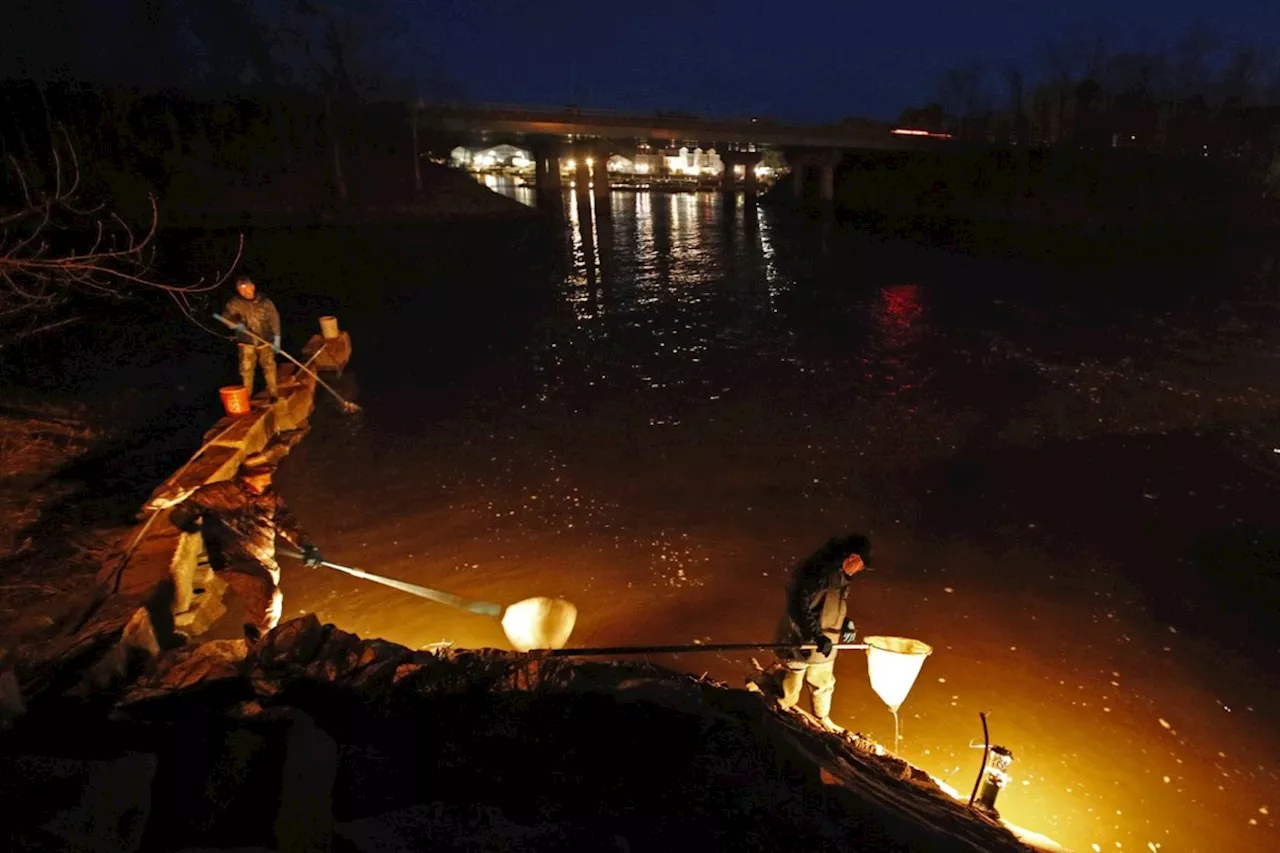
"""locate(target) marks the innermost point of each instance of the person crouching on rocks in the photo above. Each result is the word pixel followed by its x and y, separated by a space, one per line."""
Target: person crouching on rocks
pixel 240 520
pixel 816 612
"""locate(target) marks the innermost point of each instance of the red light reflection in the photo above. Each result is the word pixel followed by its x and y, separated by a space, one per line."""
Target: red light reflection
pixel 899 315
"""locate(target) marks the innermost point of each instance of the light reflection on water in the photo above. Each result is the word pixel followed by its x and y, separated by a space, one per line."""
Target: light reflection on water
pixel 509 186
pixel 722 391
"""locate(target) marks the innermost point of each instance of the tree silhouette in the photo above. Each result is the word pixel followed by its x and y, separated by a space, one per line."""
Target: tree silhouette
pixel 53 248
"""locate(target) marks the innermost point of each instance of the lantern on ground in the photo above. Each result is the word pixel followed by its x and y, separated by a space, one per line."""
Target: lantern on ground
pixel 995 776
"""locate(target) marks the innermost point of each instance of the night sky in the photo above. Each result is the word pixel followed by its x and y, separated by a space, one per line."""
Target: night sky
pixel 814 61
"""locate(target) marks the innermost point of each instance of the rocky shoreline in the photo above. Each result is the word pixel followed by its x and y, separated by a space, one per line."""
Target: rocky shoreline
pixel 316 739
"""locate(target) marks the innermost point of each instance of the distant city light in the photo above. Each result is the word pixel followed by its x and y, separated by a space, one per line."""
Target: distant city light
pixel 904 131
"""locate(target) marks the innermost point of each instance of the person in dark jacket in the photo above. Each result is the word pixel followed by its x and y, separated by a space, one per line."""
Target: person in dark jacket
pixel 816 612
pixel 253 312
pixel 240 520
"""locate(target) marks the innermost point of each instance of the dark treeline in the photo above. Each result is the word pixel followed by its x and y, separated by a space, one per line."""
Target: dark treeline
pixel 120 118
pixel 1200 97
pixel 1130 141
pixel 197 101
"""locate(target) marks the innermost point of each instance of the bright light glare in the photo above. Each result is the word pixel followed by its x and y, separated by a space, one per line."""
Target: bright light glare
pixel 539 623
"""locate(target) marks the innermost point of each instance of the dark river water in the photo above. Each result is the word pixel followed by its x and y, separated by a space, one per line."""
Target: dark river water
pixel 1071 479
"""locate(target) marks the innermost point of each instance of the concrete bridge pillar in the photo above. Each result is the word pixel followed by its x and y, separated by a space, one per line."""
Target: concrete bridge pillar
pixel 731 159
pixel 827 183
pixel 728 180
pixel 824 162
pixel 546 164
pixel 582 171
pixel 749 160
pixel 600 174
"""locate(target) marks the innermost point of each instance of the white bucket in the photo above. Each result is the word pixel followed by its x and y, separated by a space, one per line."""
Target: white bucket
pixel 329 327
pixel 894 663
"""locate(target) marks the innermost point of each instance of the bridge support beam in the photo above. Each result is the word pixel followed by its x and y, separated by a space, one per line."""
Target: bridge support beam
pixel 546 165
pixel 728 180
pixel 731 159
pixel 827 182
pixel 750 186
pixel 600 174
pixel 582 171
pixel 824 162
pixel 552 172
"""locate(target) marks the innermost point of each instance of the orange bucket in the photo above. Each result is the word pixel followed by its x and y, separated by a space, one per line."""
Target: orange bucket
pixel 235 399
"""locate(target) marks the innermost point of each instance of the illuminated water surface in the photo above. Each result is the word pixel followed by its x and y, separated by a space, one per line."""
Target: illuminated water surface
pixel 710 393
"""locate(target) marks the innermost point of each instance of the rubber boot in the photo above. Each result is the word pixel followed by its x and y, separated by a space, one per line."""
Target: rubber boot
pixel 269 377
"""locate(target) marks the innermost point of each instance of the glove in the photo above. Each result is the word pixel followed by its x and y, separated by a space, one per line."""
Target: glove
pixel 824 644
pixel 239 327
pixel 311 557
pixel 275 343
pixel 849 632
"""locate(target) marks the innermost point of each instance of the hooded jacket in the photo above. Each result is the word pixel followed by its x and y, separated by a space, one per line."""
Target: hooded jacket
pixel 816 603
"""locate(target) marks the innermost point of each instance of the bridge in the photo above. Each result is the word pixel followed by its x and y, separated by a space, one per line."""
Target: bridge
pixel 592 136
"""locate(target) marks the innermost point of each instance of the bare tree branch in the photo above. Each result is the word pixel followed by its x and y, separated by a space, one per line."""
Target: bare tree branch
pixel 53 249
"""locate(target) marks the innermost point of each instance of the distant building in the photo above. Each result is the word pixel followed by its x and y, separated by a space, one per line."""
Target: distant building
pixel 499 158
pixel 677 161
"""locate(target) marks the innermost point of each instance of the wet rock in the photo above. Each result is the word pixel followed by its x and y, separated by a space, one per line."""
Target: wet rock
pixel 126 655
pixel 305 650
pixel 284 652
pixel 279 446
pixel 328 353
pixel 188 669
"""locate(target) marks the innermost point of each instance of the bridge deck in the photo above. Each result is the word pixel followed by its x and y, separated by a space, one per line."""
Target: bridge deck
pixel 672 128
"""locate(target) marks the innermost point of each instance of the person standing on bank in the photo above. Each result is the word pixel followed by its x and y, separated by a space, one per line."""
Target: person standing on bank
pixel 252 311
pixel 817 612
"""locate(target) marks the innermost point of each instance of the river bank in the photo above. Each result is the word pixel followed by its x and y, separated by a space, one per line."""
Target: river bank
pixel 1075 209
pixel 359 745
pixel 381 191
